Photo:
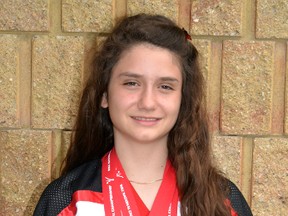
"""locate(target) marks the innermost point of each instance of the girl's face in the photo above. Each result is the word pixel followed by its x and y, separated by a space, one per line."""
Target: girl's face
pixel 144 94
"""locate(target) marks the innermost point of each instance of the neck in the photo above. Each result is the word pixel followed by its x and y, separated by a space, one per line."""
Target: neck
pixel 142 162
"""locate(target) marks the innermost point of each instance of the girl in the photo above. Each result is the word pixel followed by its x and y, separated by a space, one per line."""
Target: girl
pixel 141 143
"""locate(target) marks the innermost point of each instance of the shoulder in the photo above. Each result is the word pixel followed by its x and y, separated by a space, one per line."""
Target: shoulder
pixel 238 201
pixel 58 193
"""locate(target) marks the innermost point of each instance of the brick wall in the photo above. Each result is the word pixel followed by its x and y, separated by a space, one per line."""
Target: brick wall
pixel 44 46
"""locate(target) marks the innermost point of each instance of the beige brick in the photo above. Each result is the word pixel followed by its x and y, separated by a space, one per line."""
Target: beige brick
pixel 216 17
pixel 270 188
pixel 9 50
pixel 25 169
pixel 169 8
pixel 56 80
pixel 226 152
pixel 246 87
pixel 272 16
pixel 87 16
pixel 24 15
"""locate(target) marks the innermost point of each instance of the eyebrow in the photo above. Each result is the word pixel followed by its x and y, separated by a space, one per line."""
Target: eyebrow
pixel 130 74
pixel 134 75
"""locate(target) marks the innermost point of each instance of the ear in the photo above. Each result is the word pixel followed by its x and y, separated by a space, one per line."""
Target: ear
pixel 104 101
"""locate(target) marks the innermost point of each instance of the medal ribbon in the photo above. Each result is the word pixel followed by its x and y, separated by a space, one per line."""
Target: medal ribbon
pixel 118 196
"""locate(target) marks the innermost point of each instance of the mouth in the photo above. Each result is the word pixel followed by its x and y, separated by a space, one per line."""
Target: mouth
pixel 148 119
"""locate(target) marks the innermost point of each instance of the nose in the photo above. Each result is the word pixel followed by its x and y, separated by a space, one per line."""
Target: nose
pixel 147 99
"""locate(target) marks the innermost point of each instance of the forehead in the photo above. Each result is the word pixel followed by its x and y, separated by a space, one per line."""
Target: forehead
pixel 148 48
pixel 146 58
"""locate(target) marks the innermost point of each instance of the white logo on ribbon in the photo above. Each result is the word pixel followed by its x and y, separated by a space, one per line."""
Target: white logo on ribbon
pixel 108 180
pixel 118 174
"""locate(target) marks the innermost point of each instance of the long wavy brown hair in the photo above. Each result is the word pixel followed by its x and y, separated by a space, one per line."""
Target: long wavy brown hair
pixel 202 188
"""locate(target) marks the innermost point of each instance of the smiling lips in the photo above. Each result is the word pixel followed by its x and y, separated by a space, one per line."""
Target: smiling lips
pixel 146 120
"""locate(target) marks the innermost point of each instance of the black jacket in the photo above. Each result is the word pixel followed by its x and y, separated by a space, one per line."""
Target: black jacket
pixel 58 194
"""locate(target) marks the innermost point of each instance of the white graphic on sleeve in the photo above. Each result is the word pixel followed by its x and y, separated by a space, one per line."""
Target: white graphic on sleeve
pixel 169 209
pixel 86 208
pixel 179 209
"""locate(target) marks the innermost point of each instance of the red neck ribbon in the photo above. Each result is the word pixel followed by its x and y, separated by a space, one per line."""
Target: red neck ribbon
pixel 118 192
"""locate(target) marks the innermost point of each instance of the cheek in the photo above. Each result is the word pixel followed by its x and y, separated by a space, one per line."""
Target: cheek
pixel 121 100
pixel 177 110
pixel 178 104
pixel 172 105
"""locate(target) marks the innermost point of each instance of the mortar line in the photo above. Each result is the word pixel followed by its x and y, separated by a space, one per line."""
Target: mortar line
pixel 285 87
pixel 56 158
pixel 278 89
pixel 214 85
pixel 246 168
pixel 119 9
pixel 24 80
pixel 184 16
pixel 249 19
pixel 55 19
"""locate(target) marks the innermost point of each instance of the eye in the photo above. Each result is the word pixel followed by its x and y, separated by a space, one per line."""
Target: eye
pixel 131 83
pixel 166 87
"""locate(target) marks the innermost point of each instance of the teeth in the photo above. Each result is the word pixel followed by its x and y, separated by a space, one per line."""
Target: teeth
pixel 145 119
